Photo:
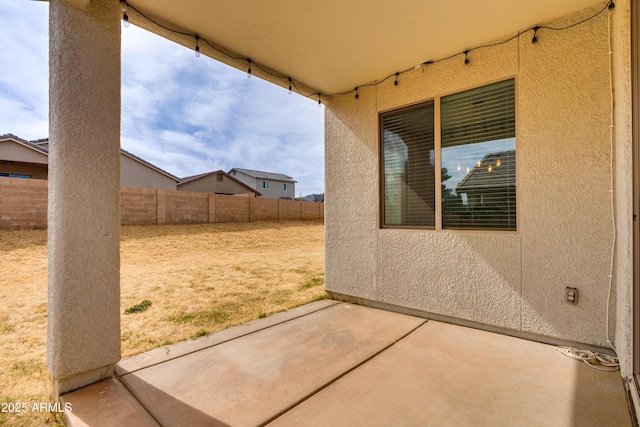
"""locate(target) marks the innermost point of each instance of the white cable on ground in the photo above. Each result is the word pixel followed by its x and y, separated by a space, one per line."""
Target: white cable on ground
pixel 600 361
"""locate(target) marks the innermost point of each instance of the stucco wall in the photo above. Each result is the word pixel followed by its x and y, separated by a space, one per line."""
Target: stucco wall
pixel 210 184
pixel 135 174
pixel 276 188
pixel 10 150
pixel 512 280
pixel 22 160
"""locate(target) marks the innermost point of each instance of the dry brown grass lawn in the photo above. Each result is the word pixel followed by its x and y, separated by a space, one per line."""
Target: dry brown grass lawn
pixel 198 278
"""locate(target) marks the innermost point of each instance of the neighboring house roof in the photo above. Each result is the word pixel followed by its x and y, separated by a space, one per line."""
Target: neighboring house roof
pixel 499 177
pixel 202 175
pixel 265 175
pixel 313 198
pixel 24 142
pixel 39 145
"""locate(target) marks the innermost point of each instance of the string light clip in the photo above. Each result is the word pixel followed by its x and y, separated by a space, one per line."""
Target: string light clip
pixel 125 17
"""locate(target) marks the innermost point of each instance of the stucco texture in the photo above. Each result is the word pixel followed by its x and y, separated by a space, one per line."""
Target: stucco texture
pixel 84 192
pixel 513 280
pixel 135 174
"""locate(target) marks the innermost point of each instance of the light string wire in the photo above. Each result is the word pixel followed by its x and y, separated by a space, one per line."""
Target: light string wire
pixel 611 178
pixel 319 95
pixel 594 359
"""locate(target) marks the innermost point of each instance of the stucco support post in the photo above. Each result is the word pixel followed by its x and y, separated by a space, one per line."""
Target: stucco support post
pixel 83 337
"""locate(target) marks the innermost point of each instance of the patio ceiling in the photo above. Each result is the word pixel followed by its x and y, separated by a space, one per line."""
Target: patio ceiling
pixel 335 45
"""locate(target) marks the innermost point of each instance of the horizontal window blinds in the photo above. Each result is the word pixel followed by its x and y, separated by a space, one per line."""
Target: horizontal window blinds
pixel 478 115
pixel 478 153
pixel 408 164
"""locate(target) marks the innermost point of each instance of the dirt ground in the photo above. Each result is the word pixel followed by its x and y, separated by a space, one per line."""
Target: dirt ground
pixel 198 279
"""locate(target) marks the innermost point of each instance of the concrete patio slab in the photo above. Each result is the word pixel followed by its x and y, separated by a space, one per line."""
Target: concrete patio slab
pixel 107 404
pixel 252 380
pixel 339 364
pixel 447 375
pixel 163 354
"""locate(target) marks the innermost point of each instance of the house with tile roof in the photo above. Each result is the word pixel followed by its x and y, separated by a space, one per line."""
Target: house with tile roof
pixel 20 158
pixel 218 182
pixel 271 185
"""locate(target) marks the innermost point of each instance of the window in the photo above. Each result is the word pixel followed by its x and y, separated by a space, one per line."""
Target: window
pixel 476 149
pixel 409 167
pixel 287 186
pixel 15 175
pixel 219 177
pixel 265 184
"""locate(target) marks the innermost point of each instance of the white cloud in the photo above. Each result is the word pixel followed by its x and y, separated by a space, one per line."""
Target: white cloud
pixel 24 84
pixel 186 115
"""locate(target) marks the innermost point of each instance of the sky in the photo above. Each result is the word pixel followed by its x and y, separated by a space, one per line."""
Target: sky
pixel 185 114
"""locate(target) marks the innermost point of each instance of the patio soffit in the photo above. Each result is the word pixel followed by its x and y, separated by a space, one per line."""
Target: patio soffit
pixel 335 45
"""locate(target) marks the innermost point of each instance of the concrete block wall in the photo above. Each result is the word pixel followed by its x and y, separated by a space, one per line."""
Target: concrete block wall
pixel 264 209
pixel 290 209
pixel 232 208
pixel 138 206
pixel 23 205
pixel 185 207
pixel 310 210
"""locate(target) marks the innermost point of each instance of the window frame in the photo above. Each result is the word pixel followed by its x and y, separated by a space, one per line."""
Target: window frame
pixel 381 178
pixel 438 162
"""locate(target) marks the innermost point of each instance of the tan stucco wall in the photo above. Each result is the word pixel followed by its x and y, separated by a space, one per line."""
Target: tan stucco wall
pixel 210 184
pixel 83 310
pixel 500 279
pixel 12 151
pixel 135 174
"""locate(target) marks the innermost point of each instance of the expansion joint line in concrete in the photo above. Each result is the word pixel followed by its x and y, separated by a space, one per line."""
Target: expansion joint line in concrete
pixel 353 368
